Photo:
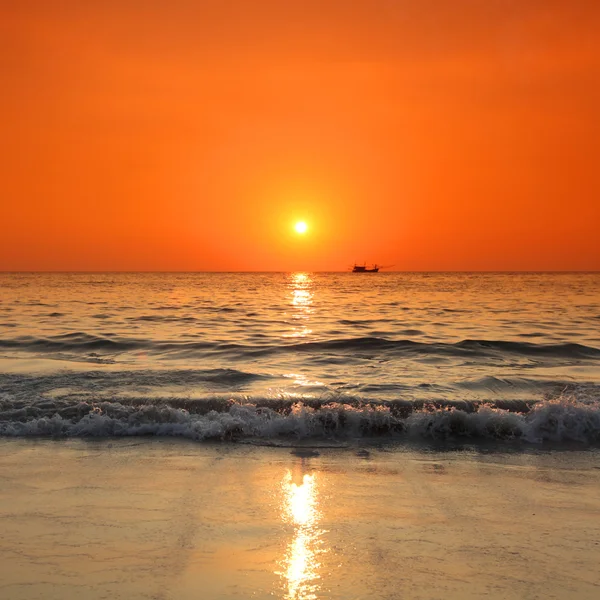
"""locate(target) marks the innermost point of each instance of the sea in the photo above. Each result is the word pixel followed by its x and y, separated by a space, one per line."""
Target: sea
pixel 302 358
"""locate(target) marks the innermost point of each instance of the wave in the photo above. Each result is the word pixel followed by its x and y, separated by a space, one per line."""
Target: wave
pixel 565 350
pixel 83 342
pixel 70 342
pixel 472 348
pixel 162 318
pixel 23 387
pixel 561 420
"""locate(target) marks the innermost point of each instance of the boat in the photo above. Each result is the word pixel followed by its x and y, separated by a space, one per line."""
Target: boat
pixel 364 269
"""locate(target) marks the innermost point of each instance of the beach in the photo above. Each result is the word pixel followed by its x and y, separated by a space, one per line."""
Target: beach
pixel 160 519
pixel 300 300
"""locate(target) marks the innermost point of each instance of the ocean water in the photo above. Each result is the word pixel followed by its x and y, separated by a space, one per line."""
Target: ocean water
pixel 276 358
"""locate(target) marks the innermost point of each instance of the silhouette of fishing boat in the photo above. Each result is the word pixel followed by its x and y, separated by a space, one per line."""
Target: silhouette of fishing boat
pixel 364 269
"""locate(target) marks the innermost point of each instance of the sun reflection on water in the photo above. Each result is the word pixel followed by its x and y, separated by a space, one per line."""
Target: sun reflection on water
pixel 300 285
pixel 300 563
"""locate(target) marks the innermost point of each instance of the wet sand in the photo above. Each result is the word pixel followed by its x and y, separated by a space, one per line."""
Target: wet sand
pixel 161 519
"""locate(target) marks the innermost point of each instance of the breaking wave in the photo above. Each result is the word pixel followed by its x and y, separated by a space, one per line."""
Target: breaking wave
pixel 561 420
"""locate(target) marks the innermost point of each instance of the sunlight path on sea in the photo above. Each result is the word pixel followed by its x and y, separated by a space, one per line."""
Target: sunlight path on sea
pixel 300 287
pixel 300 307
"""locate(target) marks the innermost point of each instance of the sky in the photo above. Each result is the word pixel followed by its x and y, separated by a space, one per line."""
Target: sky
pixel 193 135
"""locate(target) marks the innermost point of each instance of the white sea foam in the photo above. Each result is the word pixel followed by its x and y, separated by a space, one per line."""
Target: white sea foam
pixel 555 421
pixel 563 420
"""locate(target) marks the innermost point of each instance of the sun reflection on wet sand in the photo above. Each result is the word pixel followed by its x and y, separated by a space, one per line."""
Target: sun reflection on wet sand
pixel 300 563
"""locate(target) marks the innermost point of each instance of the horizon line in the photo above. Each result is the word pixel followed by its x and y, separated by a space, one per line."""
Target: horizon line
pixel 125 271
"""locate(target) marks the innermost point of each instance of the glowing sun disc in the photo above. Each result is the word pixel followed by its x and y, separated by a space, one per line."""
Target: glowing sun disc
pixel 301 227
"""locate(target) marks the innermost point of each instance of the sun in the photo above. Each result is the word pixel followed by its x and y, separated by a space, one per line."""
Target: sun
pixel 301 227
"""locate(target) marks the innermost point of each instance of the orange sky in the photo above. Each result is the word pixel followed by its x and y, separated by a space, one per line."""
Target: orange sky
pixel 191 134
